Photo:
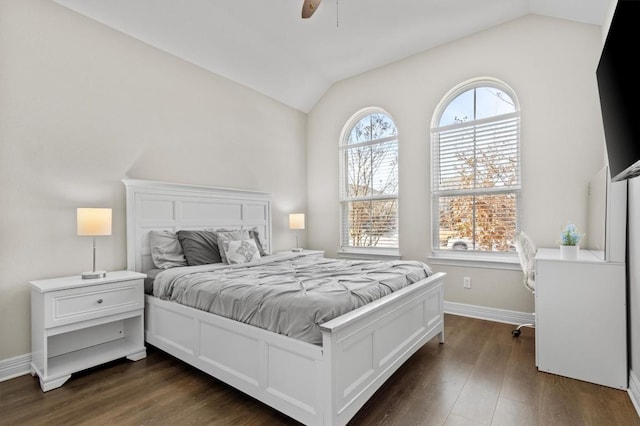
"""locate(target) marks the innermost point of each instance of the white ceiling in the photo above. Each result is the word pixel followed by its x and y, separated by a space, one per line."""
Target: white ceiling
pixel 265 45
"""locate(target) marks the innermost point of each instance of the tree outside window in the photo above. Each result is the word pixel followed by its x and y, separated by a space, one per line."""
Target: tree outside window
pixel 476 165
pixel 370 182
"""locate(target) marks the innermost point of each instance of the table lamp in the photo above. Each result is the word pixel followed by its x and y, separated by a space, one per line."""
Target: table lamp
pixel 94 222
pixel 296 222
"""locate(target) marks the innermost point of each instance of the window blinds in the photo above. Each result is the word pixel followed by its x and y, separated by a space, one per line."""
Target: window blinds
pixel 482 155
pixel 476 182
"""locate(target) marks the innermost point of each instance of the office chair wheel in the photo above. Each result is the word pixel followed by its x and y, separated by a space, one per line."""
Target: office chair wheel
pixel 515 332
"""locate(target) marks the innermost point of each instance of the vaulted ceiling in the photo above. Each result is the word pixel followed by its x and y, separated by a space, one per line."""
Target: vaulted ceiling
pixel 265 45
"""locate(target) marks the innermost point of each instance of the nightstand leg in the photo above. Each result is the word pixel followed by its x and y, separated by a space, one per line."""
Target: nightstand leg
pixel 53 384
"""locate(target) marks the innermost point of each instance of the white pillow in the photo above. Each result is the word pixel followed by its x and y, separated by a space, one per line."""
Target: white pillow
pixel 241 251
pixel 166 251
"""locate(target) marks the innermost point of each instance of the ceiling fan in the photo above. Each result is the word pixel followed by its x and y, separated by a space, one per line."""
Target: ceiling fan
pixel 309 7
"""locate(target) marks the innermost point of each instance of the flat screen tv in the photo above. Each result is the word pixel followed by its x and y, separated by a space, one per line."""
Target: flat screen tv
pixel 618 77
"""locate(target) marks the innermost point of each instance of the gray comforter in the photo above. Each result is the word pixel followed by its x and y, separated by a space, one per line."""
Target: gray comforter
pixel 287 293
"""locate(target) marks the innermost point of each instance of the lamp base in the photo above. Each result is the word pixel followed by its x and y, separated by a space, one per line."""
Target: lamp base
pixel 297 250
pixel 93 274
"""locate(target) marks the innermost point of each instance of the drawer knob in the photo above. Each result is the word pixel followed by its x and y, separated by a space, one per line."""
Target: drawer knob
pixel 99 300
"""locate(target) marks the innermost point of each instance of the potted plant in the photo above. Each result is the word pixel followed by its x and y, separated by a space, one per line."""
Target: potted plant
pixel 570 242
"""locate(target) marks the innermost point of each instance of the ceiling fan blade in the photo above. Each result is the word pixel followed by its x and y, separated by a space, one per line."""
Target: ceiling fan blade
pixel 308 7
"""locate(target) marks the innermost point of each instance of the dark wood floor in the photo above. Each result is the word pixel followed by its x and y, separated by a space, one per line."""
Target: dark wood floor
pixel 480 376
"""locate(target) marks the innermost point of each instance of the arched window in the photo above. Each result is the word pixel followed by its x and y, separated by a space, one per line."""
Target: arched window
pixel 369 182
pixel 476 168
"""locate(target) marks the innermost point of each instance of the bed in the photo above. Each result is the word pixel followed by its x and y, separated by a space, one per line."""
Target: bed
pixel 322 383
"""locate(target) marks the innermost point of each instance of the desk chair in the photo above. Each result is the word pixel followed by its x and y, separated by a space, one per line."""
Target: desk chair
pixel 526 250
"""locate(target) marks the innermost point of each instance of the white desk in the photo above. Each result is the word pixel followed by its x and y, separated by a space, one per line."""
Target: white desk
pixel 581 318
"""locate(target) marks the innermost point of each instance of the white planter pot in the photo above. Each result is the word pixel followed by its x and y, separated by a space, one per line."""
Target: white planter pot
pixel 569 252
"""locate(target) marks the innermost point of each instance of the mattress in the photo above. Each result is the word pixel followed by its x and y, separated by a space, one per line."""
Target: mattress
pixel 287 293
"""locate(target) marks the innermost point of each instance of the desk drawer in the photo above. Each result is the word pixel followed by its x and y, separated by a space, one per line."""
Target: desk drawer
pixel 95 301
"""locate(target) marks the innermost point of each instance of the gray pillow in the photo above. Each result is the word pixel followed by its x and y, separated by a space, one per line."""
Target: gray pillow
pixel 253 233
pixel 200 247
pixel 166 251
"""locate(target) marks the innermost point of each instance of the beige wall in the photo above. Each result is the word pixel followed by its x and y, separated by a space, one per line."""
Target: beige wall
pixel 82 107
pixel 550 64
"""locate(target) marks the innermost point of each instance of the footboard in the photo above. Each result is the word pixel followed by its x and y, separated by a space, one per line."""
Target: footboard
pixel 282 372
pixel 363 348
pixel 316 385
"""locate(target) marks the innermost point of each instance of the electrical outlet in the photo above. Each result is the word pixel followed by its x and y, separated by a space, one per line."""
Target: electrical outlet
pixel 467 282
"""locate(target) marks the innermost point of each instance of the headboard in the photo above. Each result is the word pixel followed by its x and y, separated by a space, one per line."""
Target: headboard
pixel 171 206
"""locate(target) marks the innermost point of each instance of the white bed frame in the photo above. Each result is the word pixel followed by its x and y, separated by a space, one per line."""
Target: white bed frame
pixel 316 385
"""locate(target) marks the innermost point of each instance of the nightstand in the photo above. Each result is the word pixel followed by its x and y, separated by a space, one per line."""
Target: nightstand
pixel 81 323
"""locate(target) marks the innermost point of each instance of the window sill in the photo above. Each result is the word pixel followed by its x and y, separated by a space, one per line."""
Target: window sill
pixel 476 260
pixel 368 254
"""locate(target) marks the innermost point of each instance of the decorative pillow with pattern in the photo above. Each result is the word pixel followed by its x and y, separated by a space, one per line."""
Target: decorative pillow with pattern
pixel 241 251
pixel 223 236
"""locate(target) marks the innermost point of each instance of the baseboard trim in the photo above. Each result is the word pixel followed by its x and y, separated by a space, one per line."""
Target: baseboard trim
pixel 490 314
pixel 14 367
pixel 634 390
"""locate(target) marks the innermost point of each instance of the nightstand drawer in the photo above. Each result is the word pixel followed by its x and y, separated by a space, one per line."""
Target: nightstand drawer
pixel 73 305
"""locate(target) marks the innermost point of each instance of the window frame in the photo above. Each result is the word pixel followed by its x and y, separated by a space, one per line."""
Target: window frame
pixel 501 259
pixel 346 250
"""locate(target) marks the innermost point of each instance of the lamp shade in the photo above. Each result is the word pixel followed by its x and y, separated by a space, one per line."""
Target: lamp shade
pixel 94 222
pixel 296 221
